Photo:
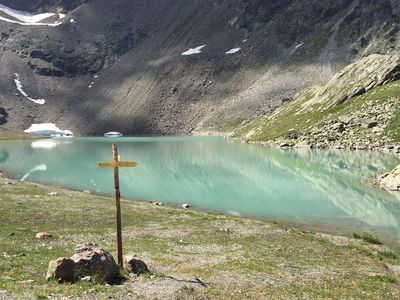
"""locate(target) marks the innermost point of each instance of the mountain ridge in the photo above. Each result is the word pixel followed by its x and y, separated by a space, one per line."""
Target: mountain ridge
pixel 118 65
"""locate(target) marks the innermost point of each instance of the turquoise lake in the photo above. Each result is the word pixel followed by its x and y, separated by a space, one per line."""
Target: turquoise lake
pixel 311 187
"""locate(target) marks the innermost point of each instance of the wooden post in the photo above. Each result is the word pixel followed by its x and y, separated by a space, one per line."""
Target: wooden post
pixel 118 164
pixel 118 206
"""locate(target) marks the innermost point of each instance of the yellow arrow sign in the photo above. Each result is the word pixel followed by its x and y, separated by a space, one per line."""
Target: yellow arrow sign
pixel 118 164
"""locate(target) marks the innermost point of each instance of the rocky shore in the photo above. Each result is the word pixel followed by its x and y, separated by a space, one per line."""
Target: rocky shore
pixel 363 129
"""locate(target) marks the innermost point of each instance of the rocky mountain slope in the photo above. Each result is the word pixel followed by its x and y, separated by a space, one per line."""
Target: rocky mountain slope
pixel 357 109
pixel 98 65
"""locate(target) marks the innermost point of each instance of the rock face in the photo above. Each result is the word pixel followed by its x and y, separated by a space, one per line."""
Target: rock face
pixel 391 180
pixel 95 262
pixel 356 79
pixel 118 64
pixel 62 269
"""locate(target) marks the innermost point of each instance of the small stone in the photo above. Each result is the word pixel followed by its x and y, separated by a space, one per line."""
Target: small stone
pixel 285 145
pixel 44 235
pixel 393 268
pixel 86 278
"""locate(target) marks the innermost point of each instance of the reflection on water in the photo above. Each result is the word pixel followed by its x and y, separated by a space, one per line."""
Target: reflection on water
pixel 41 167
pixel 3 156
pixel 318 187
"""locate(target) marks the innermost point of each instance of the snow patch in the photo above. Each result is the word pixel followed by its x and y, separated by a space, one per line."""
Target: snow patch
pixel 48 129
pixel 299 45
pixel 234 50
pixel 18 84
pixel 72 21
pixel 192 51
pixel 27 19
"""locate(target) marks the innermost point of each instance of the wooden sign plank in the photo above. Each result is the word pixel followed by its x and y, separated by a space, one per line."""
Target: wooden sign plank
pixel 118 164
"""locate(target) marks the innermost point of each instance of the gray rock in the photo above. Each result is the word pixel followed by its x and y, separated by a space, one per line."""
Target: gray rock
pixel 393 268
pixel 346 119
pixel 135 266
pixel 370 124
pixel 391 181
pixel 62 269
pixel 91 261
pixel 293 135
pixel 339 127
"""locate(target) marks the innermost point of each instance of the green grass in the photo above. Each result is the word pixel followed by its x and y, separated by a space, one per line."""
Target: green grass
pixel 289 117
pixel 393 130
pixel 240 258
pixel 368 238
pixel 388 254
pixel 9 135
pixel 382 278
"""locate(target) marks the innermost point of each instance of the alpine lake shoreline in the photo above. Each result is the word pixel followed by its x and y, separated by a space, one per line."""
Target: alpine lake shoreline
pixel 191 254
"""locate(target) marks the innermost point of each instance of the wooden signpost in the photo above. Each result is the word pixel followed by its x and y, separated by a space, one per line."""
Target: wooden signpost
pixel 116 163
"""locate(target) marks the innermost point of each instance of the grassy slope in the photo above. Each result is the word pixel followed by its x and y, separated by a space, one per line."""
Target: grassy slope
pixel 9 135
pixel 239 258
pixel 288 117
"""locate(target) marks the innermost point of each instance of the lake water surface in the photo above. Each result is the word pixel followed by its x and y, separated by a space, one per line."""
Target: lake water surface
pixel 326 188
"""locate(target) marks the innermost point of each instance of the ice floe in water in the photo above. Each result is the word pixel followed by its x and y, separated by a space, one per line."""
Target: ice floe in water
pixel 18 84
pixel 48 129
pixel 232 51
pixel 42 168
pixel 192 51
pixel 27 19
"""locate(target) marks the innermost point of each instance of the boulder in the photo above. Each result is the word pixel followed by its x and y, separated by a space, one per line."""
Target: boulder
pixel 135 266
pixel 346 119
pixel 391 180
pixel 293 134
pixel 62 270
pixel 370 124
pixel 339 127
pixel 94 262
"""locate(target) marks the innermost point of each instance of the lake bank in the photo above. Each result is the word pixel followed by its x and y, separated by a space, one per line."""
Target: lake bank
pixel 236 258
